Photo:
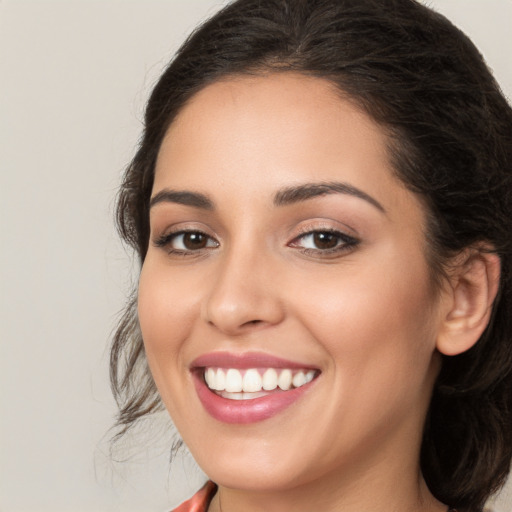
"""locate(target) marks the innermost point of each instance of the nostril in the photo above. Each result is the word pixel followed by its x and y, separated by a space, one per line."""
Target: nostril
pixel 232 308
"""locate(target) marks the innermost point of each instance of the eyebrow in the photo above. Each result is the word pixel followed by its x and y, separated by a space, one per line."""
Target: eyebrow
pixel 184 197
pixel 307 191
pixel 284 197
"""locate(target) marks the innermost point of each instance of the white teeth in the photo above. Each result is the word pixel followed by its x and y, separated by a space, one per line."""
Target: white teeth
pixel 270 380
pixel 210 378
pixel 232 396
pixel 299 379
pixel 233 381
pixel 252 381
pixel 241 396
pixel 220 381
pixel 248 384
pixel 285 380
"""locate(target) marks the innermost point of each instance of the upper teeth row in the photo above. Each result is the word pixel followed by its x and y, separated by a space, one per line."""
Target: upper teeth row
pixel 234 381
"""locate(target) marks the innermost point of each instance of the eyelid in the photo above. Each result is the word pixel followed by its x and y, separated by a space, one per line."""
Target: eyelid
pixel 335 232
pixel 324 224
pixel 346 242
pixel 166 238
pixel 162 230
pixel 175 234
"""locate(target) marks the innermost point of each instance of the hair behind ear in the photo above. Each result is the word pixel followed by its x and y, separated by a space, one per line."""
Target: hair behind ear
pixel 468 435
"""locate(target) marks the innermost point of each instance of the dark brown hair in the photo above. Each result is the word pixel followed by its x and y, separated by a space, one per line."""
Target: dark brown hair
pixel 450 132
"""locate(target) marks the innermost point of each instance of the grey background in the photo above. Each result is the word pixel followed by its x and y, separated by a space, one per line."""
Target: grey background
pixel 74 76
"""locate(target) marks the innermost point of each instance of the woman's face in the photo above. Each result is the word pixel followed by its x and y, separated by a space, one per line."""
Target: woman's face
pixel 283 248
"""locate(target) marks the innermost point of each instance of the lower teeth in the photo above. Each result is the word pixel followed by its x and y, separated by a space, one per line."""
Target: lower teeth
pixel 242 395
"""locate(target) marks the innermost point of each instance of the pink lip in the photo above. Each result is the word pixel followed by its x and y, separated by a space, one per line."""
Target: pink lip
pixel 245 361
pixel 245 411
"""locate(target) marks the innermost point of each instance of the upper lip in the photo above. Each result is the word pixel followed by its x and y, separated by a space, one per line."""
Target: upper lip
pixel 246 360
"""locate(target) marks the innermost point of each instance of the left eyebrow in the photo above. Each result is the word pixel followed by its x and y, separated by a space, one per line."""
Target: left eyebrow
pixel 307 191
pixel 184 197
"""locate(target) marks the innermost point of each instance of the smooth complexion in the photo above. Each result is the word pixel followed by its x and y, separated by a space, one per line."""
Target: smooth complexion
pixel 247 257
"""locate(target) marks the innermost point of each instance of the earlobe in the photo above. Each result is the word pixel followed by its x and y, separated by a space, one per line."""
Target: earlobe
pixel 472 288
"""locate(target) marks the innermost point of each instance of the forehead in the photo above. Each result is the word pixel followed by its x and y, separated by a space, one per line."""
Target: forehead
pixel 260 133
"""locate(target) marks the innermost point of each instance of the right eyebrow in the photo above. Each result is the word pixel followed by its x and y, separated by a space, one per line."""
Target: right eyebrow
pixel 184 197
pixel 307 191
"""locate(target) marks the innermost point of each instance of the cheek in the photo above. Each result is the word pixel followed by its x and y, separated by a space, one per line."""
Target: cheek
pixel 376 321
pixel 166 309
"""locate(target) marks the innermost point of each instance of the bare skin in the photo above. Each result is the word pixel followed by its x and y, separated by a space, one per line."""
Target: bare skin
pixel 360 307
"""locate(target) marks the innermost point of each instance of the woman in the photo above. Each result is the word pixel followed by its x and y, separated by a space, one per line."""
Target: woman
pixel 321 204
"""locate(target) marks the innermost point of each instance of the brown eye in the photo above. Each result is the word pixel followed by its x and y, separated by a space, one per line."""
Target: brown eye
pixel 325 243
pixel 194 241
pixel 325 240
pixel 186 242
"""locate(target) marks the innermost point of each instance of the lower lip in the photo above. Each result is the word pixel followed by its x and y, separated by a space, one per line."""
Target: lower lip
pixel 246 411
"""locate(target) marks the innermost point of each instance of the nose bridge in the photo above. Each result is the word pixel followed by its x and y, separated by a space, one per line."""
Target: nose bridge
pixel 242 292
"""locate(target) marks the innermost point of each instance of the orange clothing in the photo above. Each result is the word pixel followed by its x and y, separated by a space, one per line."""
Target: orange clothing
pixel 200 501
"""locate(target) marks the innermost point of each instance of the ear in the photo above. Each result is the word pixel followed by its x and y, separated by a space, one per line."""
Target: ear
pixel 471 289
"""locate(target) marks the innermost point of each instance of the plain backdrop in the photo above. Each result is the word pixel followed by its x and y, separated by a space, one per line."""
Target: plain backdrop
pixel 74 77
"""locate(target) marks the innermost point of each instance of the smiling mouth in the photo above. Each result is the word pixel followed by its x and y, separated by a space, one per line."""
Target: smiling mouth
pixel 242 388
pixel 252 383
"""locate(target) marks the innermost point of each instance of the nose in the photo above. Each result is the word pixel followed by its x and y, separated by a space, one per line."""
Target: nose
pixel 244 294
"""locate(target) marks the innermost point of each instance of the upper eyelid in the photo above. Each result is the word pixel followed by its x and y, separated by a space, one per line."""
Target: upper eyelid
pixel 168 236
pixel 340 234
pixel 331 225
pixel 345 244
pixel 183 227
pixel 310 230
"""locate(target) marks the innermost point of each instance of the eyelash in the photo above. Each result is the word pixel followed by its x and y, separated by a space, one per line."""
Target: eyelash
pixel 166 240
pixel 344 243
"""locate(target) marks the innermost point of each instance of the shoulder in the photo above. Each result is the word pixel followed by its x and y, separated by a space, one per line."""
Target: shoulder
pixel 200 501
